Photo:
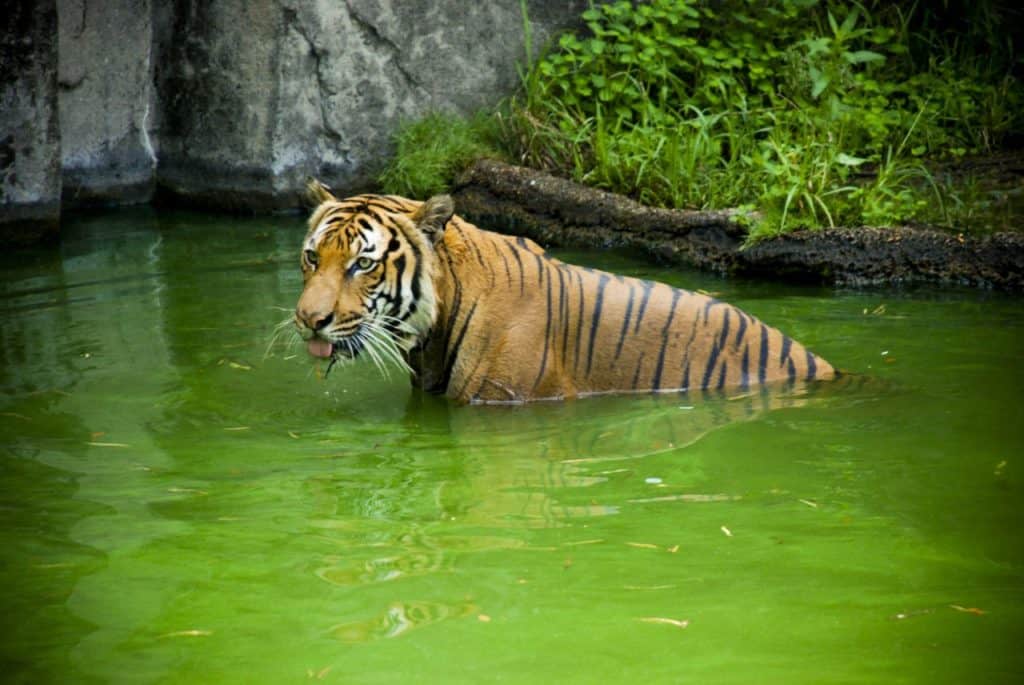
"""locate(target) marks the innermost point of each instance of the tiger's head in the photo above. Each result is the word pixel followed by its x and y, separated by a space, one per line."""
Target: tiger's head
pixel 368 265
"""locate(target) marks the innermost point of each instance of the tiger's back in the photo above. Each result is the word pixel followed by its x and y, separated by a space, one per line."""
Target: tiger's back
pixel 539 328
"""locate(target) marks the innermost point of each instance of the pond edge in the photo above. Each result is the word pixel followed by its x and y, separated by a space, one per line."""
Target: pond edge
pixel 558 212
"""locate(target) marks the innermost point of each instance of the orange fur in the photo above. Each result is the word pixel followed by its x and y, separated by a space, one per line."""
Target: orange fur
pixel 498 320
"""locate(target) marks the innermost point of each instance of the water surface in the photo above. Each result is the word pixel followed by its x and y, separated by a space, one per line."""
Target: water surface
pixel 178 507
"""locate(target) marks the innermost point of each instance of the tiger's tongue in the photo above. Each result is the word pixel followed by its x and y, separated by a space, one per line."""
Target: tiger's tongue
pixel 319 348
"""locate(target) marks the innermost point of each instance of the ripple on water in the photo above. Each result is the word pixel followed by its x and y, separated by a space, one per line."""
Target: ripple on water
pixel 399 618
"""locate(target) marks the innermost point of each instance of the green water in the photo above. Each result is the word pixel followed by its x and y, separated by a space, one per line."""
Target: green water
pixel 176 508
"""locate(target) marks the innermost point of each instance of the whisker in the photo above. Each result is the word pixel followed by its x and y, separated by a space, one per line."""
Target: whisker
pixel 369 345
pixel 388 345
pixel 284 327
pixel 382 342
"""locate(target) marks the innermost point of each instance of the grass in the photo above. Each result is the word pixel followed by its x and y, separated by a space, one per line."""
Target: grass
pixel 433 150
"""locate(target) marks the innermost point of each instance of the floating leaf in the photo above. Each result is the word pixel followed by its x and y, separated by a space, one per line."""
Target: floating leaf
pixel 189 633
pixel 968 610
pixel 667 621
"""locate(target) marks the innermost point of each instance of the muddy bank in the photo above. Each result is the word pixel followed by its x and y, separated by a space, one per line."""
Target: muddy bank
pixel 557 212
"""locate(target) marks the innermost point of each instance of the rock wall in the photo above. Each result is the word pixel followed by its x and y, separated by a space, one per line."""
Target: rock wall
pixel 258 95
pixel 29 136
pixel 106 104
pixel 232 103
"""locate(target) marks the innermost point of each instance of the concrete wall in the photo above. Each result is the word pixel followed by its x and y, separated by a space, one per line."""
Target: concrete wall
pixel 232 103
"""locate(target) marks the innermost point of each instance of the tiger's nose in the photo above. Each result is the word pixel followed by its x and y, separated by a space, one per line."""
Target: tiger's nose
pixel 315 321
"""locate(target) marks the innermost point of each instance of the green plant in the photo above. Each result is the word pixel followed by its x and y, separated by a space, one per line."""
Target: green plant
pixel 430 152
pixel 817 112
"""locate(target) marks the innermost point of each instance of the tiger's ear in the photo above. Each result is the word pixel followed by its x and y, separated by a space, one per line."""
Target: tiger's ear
pixel 317 193
pixel 433 215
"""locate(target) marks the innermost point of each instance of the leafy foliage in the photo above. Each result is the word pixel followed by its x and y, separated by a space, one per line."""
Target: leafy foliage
pixel 812 112
pixel 816 113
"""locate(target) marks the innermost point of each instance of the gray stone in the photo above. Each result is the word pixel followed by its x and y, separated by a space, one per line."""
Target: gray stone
pixel 106 100
pixel 232 103
pixel 216 79
pixel 29 138
pixel 259 95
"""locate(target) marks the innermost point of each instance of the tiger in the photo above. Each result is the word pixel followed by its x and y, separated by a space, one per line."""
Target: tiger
pixel 482 317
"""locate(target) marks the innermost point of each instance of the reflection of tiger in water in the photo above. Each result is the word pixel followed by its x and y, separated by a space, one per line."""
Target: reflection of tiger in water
pixel 484 317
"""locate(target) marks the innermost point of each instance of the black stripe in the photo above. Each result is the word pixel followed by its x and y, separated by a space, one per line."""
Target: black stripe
pixel 596 314
pixel 784 352
pixel 710 367
pixel 504 259
pixel 399 265
pixel 791 370
pixel 685 384
pixel 707 307
pixel 469 377
pixel 762 362
pixel 745 368
pixel 689 344
pixel 453 354
pixel 721 375
pixel 579 322
pixel 540 270
pixel 625 322
pixel 812 366
pixel 392 203
pixel 647 286
pixel 563 308
pixel 725 330
pixel 476 251
pixel 522 273
pixel 417 272
pixel 547 338
pixel 636 373
pixel 452 317
pixel 656 382
pixel 740 330
pixel 457 394
pixel 372 211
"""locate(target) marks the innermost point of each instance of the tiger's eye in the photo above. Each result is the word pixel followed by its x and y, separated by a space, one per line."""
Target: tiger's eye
pixel 312 257
pixel 364 263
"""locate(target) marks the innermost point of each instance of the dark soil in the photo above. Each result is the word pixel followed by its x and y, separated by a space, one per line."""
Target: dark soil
pixel 557 212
